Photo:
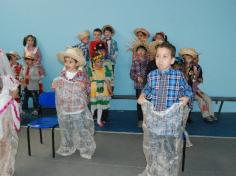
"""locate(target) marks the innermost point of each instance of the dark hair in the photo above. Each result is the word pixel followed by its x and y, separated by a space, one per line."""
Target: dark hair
pixel 97 30
pixel 168 46
pixel 26 38
pixel 141 47
pixel 108 28
pixel 164 36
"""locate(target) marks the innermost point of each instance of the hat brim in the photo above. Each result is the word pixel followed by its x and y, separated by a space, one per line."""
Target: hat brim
pixel 10 54
pixel 136 31
pixel 138 44
pixel 61 57
pixel 28 58
pixel 80 37
pixel 188 52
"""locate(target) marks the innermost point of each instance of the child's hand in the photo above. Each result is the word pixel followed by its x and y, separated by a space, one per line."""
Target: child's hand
pixel 54 85
pixel 184 100
pixel 23 83
pixel 141 99
pixel 140 79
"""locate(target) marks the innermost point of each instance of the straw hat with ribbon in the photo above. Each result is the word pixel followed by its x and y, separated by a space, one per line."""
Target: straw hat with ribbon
pixel 13 53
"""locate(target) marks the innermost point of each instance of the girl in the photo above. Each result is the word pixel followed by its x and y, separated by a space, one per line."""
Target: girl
pixel 9 117
pixel 30 44
pixel 101 91
pixel 75 120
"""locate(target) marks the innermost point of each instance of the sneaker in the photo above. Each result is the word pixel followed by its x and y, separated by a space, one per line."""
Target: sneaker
pixel 35 112
pixel 85 156
pixel 62 152
pixel 214 118
pixel 100 124
pixel 208 119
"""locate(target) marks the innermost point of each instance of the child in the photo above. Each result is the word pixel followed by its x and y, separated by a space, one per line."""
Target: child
pixel 138 74
pixel 142 36
pixel 13 57
pixel 160 36
pixel 83 45
pixel 165 88
pixel 30 78
pixel 101 91
pixel 75 120
pixel 193 73
pixel 108 32
pixel 9 118
pixel 30 44
pixel 97 34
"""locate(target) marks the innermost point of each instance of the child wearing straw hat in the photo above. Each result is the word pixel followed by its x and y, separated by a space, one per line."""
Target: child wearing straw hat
pixel 138 74
pixel 83 45
pixel 101 90
pixel 30 79
pixel 75 120
pixel 13 57
pixel 9 117
pixel 193 74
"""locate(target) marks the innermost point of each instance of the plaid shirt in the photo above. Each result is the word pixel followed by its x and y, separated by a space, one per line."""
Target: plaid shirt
pixel 165 88
pixel 138 69
pixel 84 48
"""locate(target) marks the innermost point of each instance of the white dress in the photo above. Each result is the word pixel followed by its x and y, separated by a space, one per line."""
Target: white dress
pixel 9 124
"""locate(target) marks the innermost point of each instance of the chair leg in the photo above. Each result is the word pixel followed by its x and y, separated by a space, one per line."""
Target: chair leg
pixel 53 143
pixel 183 156
pixel 28 140
pixel 41 136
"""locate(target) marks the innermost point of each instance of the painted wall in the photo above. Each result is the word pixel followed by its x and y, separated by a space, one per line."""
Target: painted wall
pixel 208 26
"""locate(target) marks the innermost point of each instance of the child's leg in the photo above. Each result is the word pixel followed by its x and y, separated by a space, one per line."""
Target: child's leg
pixel 208 101
pixel 35 96
pixel 139 109
pixel 203 108
pixel 99 117
pixel 25 99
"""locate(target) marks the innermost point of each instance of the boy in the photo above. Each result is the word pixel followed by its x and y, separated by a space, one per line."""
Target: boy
pixel 75 120
pixel 162 124
pixel 138 74
pixel 30 78
pixel 83 45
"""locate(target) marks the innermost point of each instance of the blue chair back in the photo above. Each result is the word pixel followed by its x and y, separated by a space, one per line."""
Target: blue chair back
pixel 47 100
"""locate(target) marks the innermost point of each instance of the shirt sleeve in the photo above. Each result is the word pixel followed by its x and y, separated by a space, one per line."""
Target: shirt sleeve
pixel 148 87
pixel 186 89
pixel 11 83
pixel 133 71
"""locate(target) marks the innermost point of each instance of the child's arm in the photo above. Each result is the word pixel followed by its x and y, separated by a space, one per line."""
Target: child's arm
pixel 133 72
pixel 185 91
pixel 141 98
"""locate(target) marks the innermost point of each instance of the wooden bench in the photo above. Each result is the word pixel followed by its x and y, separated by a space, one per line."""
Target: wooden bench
pixel 216 99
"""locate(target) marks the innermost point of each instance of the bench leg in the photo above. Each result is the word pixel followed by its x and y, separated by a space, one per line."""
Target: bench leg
pixel 41 136
pixel 53 144
pixel 221 105
pixel 28 140
pixel 183 156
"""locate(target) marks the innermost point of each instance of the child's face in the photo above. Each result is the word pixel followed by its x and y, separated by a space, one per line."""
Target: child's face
pixel 30 41
pixel 98 63
pixel 13 59
pixel 97 35
pixel 188 59
pixel 164 59
pixel 70 64
pixel 159 38
pixel 141 36
pixel 141 52
pixel 85 39
pixel 29 62
pixel 107 34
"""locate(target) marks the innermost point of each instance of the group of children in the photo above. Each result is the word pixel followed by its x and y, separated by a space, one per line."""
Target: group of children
pixel 144 61
pixel 87 81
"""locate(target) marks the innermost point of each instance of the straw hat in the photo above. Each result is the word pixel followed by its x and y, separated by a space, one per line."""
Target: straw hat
pixel 137 44
pixel 141 30
pixel 153 47
pixel 29 55
pixel 83 34
pixel 13 53
pixel 74 53
pixel 108 27
pixel 188 51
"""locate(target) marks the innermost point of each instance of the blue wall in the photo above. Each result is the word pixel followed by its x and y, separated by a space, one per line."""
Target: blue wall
pixel 208 26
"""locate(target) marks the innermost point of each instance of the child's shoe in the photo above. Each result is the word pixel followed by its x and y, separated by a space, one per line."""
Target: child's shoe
pixel 35 112
pixel 85 156
pixel 214 118
pixel 100 124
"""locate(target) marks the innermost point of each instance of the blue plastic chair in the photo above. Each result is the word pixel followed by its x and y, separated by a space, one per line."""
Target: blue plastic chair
pixel 46 100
